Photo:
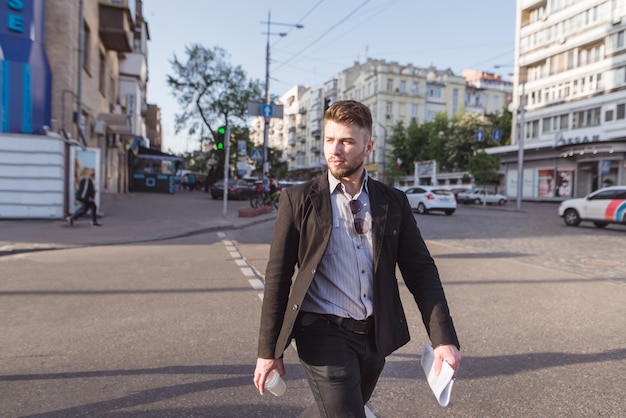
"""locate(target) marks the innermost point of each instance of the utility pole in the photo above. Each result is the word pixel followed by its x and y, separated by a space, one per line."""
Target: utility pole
pixel 79 76
pixel 267 87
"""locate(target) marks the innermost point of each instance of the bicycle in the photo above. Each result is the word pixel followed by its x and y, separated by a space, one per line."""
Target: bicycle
pixel 265 199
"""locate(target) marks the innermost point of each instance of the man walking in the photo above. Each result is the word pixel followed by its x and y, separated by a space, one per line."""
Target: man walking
pixel 86 195
pixel 346 233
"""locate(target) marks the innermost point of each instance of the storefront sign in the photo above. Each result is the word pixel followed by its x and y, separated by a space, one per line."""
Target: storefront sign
pixel 560 140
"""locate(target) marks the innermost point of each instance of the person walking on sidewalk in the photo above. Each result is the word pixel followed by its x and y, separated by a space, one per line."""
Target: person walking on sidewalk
pixel 346 233
pixel 86 195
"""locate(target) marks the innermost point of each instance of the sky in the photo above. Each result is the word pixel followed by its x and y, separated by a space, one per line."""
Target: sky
pixel 454 34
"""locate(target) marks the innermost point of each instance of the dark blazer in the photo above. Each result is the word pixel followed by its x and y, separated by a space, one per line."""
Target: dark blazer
pixel 301 234
pixel 86 190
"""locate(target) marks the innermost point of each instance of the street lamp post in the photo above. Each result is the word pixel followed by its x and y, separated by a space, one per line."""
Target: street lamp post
pixel 520 139
pixel 520 148
pixel 267 86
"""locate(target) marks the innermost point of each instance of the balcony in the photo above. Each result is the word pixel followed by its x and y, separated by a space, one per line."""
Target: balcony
pixel 291 142
pixel 115 25
pixel 315 150
pixel 302 139
pixel 316 133
pixel 302 110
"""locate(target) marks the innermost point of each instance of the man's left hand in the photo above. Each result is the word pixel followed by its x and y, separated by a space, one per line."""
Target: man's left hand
pixel 448 353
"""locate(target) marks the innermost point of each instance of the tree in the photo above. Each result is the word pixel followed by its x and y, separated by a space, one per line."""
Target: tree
pixel 484 168
pixel 211 92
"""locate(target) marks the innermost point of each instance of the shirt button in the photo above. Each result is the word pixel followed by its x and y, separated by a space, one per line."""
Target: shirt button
pixel 295 307
pixel 362 271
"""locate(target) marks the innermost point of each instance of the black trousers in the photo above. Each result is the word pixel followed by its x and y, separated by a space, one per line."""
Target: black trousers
pixel 85 205
pixel 342 367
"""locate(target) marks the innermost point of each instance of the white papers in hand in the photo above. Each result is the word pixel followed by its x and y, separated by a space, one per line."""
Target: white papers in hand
pixel 441 385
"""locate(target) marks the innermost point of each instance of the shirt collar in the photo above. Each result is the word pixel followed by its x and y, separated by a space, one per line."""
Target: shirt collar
pixel 334 183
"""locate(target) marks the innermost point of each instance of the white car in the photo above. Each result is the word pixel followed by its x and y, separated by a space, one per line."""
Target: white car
pixel 478 196
pixel 424 199
pixel 602 207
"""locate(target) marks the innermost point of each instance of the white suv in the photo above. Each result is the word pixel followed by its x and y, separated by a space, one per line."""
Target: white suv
pixel 602 207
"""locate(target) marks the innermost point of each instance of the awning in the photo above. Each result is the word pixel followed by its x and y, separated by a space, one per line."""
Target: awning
pixel 152 154
pixel 116 123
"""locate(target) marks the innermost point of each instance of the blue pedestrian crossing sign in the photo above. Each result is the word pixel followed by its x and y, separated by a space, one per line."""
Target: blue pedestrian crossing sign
pixel 496 135
pixel 256 155
pixel 480 135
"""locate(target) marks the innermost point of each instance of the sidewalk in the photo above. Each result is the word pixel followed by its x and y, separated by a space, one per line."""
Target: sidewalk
pixel 130 218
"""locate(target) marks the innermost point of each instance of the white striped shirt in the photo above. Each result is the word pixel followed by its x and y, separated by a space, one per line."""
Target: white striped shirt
pixel 343 282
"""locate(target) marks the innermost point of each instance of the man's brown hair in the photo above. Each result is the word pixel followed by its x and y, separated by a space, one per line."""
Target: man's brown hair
pixel 350 112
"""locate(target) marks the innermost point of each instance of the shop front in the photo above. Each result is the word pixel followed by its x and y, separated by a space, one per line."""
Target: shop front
pixel 554 172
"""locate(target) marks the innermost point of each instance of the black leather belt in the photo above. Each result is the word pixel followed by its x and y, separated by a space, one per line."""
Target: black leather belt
pixel 349 324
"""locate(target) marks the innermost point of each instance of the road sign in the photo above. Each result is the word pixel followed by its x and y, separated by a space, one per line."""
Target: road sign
pixel 263 109
pixel 256 155
pixel 266 110
pixel 497 135
pixel 480 135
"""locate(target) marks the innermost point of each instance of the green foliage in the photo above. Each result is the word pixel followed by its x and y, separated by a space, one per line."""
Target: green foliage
pixel 212 93
pixel 449 141
pixel 484 168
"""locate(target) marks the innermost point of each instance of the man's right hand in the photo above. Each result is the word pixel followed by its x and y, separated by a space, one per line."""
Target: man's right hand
pixel 263 368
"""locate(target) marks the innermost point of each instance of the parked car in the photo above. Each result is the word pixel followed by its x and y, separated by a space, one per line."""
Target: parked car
pixel 238 189
pixel 602 207
pixel 479 196
pixel 458 189
pixel 424 199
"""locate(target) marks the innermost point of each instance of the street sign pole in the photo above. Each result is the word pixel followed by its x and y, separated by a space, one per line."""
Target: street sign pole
pixel 226 167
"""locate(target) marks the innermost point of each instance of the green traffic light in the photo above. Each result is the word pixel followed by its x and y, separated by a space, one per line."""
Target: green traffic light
pixel 220 145
pixel 221 130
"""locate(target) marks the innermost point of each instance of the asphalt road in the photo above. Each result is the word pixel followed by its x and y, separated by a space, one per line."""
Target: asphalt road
pixel 169 329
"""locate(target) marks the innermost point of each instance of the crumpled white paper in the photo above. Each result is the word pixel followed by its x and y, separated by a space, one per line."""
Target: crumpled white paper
pixel 441 385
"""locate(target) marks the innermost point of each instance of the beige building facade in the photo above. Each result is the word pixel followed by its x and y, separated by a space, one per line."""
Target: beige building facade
pixel 394 92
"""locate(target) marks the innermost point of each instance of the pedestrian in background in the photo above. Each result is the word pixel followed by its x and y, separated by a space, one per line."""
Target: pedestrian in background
pixel 346 233
pixel 86 196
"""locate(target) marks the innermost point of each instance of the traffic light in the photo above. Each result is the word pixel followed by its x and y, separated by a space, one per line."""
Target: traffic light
pixel 270 154
pixel 219 140
pixel 326 104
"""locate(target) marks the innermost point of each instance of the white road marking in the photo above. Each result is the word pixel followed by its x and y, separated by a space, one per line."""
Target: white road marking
pixel 235 254
pixel 241 262
pixel 247 271
pixel 256 284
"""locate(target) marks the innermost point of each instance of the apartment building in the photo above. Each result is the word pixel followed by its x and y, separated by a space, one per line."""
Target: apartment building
pixel 570 99
pixel 394 93
pixel 82 103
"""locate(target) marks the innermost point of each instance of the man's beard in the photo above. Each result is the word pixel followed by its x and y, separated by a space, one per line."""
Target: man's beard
pixel 348 169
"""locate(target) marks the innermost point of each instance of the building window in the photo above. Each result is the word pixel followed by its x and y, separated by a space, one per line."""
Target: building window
pixel 619 111
pixel 608 116
pixel 564 122
pixel 547 125
pixel 414 111
pixel 416 88
pixel 455 101
pixel 102 74
pixel 434 91
pixel 86 49
pixel 390 84
pixel 402 86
